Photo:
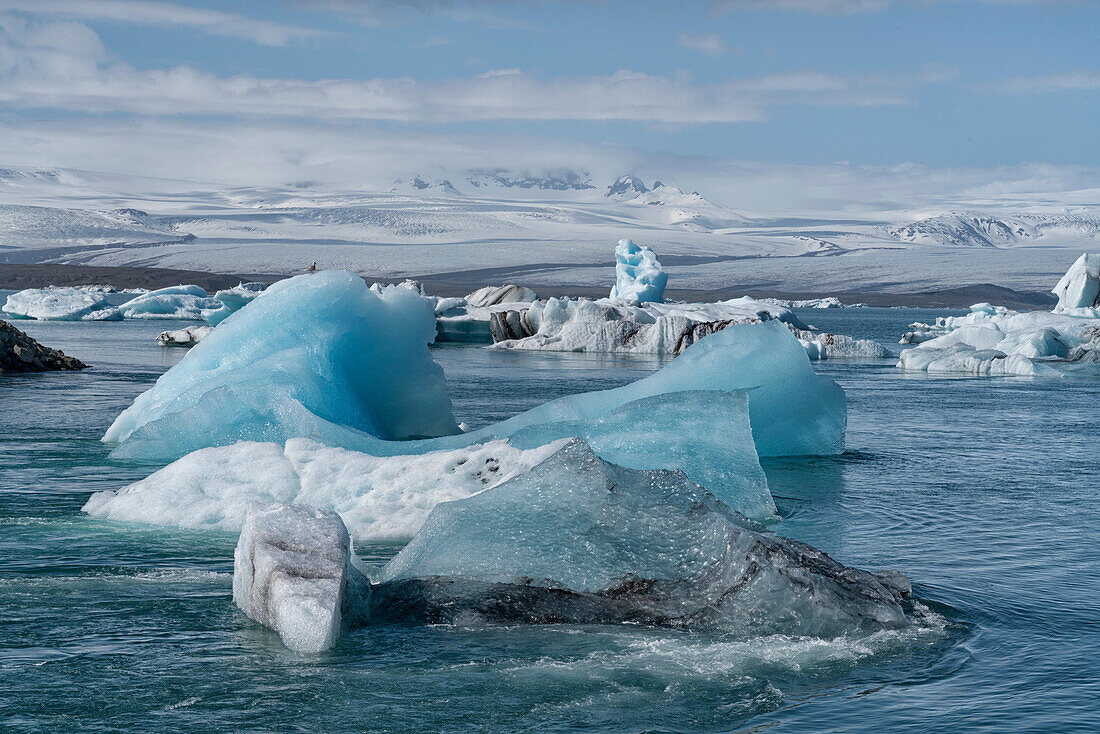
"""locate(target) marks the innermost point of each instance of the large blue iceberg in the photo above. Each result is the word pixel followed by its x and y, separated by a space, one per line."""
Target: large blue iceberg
pixel 638 274
pixel 317 356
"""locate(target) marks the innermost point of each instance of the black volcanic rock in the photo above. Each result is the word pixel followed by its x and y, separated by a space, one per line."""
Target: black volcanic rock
pixel 20 353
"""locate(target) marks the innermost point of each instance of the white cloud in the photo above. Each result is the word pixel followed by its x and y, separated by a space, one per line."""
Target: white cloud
pixel 40 67
pixel 710 44
pixel 164 14
pixel 1066 81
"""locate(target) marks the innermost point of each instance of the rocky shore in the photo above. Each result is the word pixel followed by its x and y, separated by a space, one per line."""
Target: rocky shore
pixel 20 353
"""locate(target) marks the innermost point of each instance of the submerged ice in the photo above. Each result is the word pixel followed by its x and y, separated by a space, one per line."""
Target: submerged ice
pixel 580 540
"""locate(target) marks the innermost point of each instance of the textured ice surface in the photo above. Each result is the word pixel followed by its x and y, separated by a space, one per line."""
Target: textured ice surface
pixel 317 356
pixel 638 274
pixel 61 304
pixel 175 302
pixel 232 300
pixel 379 498
pixel 578 539
pixel 293 572
pixel 492 295
pixel 1079 288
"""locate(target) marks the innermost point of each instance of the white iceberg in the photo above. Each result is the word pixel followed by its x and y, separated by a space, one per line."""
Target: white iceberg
pixel 992 340
pixel 61 304
pixel 176 302
pixel 317 356
pixel 294 571
pixel 574 540
pixel 232 300
pixel 468 319
pixel 1079 288
pixel 638 274
pixel 493 295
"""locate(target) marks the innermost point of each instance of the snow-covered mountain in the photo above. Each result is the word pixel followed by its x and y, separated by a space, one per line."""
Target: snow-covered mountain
pixel 547 228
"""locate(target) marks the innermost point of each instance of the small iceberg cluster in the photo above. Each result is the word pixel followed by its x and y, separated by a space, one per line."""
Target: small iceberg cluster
pixel 638 274
pixel 90 303
pixel 574 540
pixel 992 340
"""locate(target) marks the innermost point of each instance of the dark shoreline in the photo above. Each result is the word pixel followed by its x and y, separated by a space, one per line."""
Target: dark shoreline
pixel 18 276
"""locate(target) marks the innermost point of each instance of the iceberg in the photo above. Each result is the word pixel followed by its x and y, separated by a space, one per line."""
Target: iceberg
pixel 232 300
pixel 638 274
pixel 494 295
pixel 468 319
pixel 176 302
pixel 61 304
pixel 821 345
pixel 317 356
pixel 993 340
pixel 294 571
pixel 1079 288
pixel 574 540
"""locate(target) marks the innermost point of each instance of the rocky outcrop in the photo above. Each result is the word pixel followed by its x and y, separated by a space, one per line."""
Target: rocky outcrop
pixel 20 353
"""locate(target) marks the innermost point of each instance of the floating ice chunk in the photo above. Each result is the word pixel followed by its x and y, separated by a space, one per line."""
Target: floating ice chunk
pixel 186 337
pixel 175 302
pixel 317 356
pixel 60 304
pixel 232 300
pixel 827 302
pixel 293 571
pixel 638 274
pixel 1079 288
pixel 378 497
pixel 578 539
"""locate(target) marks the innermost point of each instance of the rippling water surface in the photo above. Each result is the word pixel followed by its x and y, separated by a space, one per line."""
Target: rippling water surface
pixel 983 490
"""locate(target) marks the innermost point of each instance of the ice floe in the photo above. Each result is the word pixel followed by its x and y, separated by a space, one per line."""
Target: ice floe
pixel 188 336
pixel 232 300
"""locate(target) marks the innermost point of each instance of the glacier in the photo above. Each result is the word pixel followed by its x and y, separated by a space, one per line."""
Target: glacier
pixel 638 274
pixel 61 304
pixel 574 540
pixel 993 340
pixel 318 356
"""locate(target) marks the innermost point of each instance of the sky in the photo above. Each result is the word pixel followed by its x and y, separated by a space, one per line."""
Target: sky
pixel 358 92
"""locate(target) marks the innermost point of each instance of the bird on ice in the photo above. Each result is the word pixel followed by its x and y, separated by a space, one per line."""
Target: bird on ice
pixel 312 268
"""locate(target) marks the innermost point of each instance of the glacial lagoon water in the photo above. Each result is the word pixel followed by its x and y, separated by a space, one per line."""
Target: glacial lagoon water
pixel 983 490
